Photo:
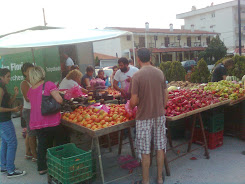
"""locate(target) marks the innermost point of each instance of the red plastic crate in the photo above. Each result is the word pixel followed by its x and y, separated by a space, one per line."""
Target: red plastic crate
pixel 214 140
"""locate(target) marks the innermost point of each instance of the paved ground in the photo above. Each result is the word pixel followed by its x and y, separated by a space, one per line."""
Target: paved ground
pixel 226 166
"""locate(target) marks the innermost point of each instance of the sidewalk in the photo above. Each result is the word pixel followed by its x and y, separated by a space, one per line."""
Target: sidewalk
pixel 225 166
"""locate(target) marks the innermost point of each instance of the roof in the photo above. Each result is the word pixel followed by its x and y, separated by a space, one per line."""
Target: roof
pixel 164 50
pixel 158 30
pixel 103 56
pixel 208 9
pixel 236 51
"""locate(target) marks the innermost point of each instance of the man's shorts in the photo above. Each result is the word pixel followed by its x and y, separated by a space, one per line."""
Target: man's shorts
pixel 26 116
pixel 146 130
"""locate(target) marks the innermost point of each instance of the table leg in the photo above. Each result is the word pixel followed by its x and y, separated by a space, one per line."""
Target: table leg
pixel 109 142
pixel 166 165
pixel 192 132
pixel 100 160
pixel 204 136
pixel 120 142
pixel 131 142
pixel 169 135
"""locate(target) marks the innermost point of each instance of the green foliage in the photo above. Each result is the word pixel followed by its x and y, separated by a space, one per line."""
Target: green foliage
pixel 202 55
pixel 239 68
pixel 201 73
pixel 216 50
pixel 97 61
pixel 177 71
pixel 173 71
pixel 165 67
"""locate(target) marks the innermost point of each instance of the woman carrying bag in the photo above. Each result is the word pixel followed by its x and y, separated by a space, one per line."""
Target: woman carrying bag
pixel 7 130
pixel 47 126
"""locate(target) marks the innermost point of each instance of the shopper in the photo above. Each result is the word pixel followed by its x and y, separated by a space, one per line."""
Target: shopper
pixel 73 78
pixel 7 130
pixel 150 95
pixel 124 76
pixel 220 71
pixel 114 68
pixel 85 83
pixel 30 140
pixel 47 127
pixel 101 75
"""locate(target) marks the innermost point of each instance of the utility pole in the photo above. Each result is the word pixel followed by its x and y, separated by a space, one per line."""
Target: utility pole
pixel 239 26
pixel 44 19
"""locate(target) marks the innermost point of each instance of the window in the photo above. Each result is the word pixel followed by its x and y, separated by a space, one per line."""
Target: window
pixel 208 40
pixel 128 37
pixel 166 39
pixel 213 14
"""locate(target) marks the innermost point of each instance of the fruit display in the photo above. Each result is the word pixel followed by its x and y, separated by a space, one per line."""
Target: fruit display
pixel 113 92
pixel 183 84
pixel 185 100
pixel 226 89
pixel 95 119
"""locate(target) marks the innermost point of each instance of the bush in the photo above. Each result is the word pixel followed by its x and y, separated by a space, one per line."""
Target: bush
pixel 177 71
pixel 173 71
pixel 165 67
pixel 201 73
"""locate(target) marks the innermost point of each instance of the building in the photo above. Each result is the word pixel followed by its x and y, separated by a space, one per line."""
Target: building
pixel 165 44
pixel 221 18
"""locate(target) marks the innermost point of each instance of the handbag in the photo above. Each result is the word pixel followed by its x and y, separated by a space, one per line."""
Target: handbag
pixel 49 104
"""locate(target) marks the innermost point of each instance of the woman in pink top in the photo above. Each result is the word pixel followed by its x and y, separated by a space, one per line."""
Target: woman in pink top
pixel 48 127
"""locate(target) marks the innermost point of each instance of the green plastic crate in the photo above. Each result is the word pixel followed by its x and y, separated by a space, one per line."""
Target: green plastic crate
pixel 213 120
pixel 69 164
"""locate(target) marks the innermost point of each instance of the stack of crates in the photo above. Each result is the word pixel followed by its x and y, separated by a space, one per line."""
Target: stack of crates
pixel 68 164
pixel 213 121
pixel 242 136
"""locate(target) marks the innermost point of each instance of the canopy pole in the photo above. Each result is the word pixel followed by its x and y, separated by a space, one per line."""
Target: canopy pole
pixel 33 57
pixel 133 49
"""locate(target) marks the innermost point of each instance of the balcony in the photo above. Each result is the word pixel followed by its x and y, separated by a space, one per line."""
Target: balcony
pixel 171 44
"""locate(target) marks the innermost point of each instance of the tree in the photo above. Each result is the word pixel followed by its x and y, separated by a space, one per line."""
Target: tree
pixel 177 71
pixel 216 49
pixel 165 67
pixel 97 61
pixel 201 73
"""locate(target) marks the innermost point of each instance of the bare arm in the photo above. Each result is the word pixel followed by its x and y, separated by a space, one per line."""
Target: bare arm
pixel 56 95
pixel 16 92
pixel 165 97
pixel 87 83
pixel 115 86
pixel 24 88
pixel 2 109
pixel 134 101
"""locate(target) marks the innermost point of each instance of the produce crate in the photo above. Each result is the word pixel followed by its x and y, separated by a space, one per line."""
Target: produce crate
pixel 69 164
pixel 213 120
pixel 114 138
pixel 214 140
pixel 233 119
pixel 242 135
pixel 177 128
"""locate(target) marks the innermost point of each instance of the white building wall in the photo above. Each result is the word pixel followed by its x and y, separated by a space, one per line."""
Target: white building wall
pixel 109 47
pixel 223 22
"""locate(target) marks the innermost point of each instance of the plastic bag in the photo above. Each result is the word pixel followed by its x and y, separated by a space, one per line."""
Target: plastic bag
pixel 100 107
pixel 131 113
pixel 74 92
pixel 131 163
pixel 97 83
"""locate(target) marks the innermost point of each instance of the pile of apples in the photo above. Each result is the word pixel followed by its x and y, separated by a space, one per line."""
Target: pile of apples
pixel 227 89
pixel 184 100
pixel 96 119
pixel 113 92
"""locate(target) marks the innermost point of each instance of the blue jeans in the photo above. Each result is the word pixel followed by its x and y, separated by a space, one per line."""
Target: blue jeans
pixel 9 145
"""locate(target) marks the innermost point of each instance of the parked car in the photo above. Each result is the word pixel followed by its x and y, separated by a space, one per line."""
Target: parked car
pixel 189 64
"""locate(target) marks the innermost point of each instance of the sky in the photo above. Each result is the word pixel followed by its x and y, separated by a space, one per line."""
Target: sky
pixel 89 14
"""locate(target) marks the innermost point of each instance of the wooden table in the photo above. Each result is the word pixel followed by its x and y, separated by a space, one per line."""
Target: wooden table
pixel 106 131
pixel 196 114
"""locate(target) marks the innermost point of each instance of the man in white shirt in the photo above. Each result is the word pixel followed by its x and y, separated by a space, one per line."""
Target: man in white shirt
pixel 69 62
pixel 124 76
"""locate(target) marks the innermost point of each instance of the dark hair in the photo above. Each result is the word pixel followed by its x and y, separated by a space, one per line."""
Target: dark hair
pixel 114 67
pixel 123 60
pixel 89 69
pixel 100 71
pixel 228 62
pixel 3 72
pixel 144 55
pixel 25 66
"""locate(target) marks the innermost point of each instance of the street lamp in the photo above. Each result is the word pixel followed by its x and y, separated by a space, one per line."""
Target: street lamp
pixel 146 29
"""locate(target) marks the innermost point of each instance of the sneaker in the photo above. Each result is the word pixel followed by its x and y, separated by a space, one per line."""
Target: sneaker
pixel 16 174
